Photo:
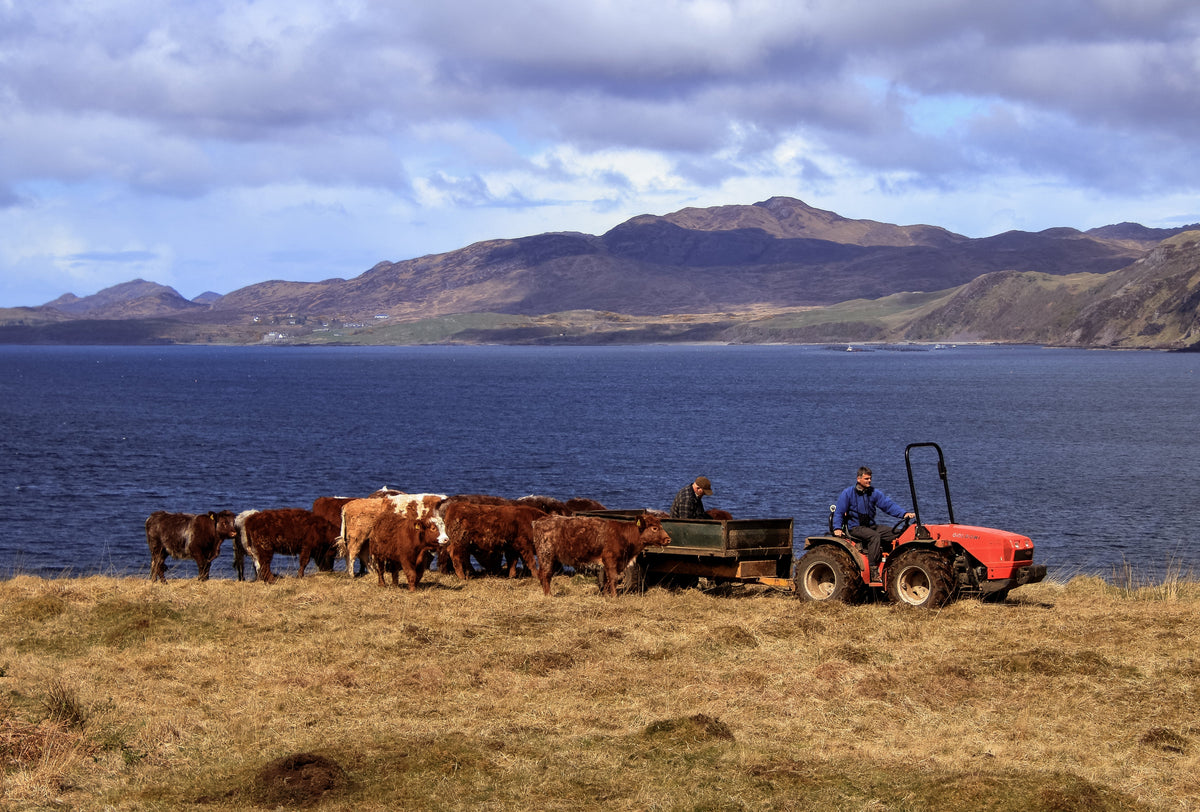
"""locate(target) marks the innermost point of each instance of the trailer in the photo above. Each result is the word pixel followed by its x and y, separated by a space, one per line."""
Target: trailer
pixel 747 551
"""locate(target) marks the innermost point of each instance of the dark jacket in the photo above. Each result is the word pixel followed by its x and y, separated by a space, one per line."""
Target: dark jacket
pixel 688 505
pixel 855 507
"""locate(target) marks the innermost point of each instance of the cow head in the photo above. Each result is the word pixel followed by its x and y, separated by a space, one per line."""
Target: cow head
pixel 225 523
pixel 651 531
pixel 429 536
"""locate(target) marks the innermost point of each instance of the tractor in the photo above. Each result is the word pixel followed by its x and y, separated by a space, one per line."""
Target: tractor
pixel 927 566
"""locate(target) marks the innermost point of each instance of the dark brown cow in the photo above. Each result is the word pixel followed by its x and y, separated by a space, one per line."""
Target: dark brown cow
pixel 488 530
pixel 403 541
pixel 578 540
pixel 546 504
pixel 288 531
pixel 187 535
pixel 718 514
pixel 579 504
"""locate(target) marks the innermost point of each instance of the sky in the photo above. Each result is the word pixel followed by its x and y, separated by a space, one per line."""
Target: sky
pixel 213 144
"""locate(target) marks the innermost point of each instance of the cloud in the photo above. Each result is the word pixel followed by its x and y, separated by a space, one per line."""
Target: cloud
pixel 403 129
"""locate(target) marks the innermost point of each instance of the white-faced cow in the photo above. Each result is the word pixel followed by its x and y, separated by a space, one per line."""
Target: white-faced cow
pixel 288 531
pixel 187 535
pixel 578 540
pixel 359 515
pixel 403 541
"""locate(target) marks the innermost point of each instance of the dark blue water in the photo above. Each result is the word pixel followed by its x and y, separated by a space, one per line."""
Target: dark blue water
pixel 1092 454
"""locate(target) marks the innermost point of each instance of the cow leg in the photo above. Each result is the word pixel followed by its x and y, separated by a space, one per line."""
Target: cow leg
pixel 611 574
pixel 545 568
pixel 158 566
pixel 379 568
pixel 264 568
pixel 303 562
pixel 525 551
pixel 456 556
pixel 410 573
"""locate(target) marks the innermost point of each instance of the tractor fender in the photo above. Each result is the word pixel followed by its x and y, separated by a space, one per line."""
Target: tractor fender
pixel 856 555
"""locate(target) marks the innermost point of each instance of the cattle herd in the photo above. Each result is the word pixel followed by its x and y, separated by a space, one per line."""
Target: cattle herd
pixel 392 531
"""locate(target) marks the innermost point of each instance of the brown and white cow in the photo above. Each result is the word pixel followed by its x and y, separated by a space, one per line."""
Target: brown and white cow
pixel 288 531
pixel 488 532
pixel 403 541
pixel 359 515
pixel 240 546
pixel 578 540
pixel 197 536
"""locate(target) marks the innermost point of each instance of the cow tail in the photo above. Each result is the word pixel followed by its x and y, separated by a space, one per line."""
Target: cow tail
pixel 339 543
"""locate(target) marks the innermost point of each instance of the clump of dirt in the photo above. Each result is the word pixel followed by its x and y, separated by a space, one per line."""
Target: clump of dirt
pixel 298 780
pixel 698 728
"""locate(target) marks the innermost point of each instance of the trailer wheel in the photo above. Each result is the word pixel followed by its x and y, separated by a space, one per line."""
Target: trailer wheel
pixel 920 578
pixel 828 574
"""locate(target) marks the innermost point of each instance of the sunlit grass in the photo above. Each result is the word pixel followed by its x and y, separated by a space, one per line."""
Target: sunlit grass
pixel 117 693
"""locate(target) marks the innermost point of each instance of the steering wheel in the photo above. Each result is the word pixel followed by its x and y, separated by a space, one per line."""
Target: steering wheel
pixel 902 525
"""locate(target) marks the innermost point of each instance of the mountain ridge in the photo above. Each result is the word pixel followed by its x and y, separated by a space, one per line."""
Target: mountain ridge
pixel 776 255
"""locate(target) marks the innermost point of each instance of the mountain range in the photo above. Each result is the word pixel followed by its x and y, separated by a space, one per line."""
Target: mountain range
pixel 775 271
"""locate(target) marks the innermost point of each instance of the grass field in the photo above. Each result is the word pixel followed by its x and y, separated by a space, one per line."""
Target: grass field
pixel 332 693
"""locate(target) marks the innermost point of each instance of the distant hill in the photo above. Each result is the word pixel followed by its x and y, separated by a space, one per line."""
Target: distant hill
pixel 779 253
pixel 781 260
pixel 1151 303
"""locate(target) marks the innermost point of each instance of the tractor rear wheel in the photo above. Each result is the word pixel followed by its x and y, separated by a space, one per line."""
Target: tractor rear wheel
pixel 921 578
pixel 828 573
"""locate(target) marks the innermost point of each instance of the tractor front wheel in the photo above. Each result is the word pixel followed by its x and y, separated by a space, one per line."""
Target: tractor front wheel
pixel 828 574
pixel 921 578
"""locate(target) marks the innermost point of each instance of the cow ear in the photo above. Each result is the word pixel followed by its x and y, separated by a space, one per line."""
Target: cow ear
pixel 212 516
pixel 641 523
pixel 417 525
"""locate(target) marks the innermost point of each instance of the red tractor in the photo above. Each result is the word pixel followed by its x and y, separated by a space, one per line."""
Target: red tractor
pixel 927 566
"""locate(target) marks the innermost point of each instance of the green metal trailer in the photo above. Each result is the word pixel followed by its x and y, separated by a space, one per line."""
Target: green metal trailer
pixel 757 551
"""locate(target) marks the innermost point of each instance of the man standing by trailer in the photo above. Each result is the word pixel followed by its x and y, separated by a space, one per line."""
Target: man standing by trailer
pixel 855 514
pixel 689 502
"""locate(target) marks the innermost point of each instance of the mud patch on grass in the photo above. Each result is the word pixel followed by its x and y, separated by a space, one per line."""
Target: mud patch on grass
pixel 299 780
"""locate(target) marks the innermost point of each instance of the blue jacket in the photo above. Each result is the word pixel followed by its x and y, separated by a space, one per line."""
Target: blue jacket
pixel 855 507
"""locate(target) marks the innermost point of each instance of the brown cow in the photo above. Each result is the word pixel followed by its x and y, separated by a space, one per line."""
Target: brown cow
pixel 546 504
pixel 187 535
pixel 403 541
pixel 288 531
pixel 579 504
pixel 359 515
pixel 487 531
pixel 577 540
pixel 329 508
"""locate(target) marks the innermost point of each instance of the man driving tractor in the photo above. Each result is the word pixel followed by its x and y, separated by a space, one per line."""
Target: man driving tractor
pixel 856 509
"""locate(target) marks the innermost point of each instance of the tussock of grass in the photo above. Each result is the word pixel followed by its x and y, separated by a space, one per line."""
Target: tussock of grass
pixel 332 693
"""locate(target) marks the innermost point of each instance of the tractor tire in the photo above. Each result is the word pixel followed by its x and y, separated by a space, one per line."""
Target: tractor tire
pixel 921 578
pixel 828 574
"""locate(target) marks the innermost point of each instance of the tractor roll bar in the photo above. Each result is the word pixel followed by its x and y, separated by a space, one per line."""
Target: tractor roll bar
pixel 912 485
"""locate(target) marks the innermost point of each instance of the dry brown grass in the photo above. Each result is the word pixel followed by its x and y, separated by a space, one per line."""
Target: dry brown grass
pixel 120 694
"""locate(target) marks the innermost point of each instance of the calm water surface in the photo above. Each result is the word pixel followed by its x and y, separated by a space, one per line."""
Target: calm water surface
pixel 1092 454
